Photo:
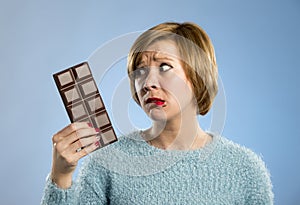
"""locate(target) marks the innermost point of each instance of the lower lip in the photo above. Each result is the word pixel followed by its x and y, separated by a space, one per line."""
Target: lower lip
pixel 159 103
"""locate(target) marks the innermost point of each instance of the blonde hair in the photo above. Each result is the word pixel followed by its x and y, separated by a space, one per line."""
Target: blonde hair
pixel 197 56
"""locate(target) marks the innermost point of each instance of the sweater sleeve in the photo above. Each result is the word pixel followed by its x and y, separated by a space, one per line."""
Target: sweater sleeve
pixel 89 188
pixel 55 195
pixel 92 183
pixel 259 186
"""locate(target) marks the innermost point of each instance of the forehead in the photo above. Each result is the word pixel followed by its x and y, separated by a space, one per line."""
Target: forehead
pixel 163 49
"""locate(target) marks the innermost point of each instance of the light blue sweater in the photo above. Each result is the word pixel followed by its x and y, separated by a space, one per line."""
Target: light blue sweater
pixel 132 172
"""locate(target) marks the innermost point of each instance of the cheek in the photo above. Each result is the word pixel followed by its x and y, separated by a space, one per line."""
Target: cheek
pixel 179 88
pixel 138 88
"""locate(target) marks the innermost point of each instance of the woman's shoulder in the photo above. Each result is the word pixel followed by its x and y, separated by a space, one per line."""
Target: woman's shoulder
pixel 249 166
pixel 243 158
pixel 237 151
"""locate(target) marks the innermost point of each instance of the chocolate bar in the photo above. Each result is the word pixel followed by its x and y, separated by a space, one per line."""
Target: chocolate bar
pixel 83 101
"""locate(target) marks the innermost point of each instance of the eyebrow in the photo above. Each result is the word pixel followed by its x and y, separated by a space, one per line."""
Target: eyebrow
pixel 156 58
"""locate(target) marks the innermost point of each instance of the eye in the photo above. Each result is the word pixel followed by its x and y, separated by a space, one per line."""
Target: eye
pixel 139 73
pixel 164 67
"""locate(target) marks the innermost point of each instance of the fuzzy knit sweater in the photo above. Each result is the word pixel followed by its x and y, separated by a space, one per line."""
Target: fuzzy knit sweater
pixel 131 171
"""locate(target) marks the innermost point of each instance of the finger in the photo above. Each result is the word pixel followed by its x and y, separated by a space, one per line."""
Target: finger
pixel 81 134
pixel 78 139
pixel 69 129
pixel 88 149
pixel 70 154
pixel 82 143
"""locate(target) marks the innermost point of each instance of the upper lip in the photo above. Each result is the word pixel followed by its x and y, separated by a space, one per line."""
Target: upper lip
pixel 153 99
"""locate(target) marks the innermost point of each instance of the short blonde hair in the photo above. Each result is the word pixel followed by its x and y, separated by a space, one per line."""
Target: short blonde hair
pixel 197 56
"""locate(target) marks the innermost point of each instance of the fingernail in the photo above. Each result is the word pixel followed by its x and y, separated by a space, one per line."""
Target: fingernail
pixel 90 124
pixel 97 129
pixel 97 144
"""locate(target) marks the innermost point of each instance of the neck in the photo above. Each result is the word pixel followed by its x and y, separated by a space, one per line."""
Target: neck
pixel 182 133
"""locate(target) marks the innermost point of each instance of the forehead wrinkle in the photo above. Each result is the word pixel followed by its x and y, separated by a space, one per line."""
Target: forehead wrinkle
pixel 149 56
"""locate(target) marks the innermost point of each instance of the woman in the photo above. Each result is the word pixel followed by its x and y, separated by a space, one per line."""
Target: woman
pixel 173 77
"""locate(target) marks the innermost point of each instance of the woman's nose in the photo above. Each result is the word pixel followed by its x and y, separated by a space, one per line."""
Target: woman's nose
pixel 151 82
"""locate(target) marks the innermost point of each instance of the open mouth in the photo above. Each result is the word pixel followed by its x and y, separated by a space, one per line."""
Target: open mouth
pixel 156 101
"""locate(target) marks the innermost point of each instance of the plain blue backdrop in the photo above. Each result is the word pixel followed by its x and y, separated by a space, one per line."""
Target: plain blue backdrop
pixel 257 47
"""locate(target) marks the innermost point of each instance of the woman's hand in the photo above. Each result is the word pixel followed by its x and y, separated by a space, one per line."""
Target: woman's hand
pixel 69 145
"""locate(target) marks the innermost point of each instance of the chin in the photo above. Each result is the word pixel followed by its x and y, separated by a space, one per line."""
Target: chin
pixel 157 115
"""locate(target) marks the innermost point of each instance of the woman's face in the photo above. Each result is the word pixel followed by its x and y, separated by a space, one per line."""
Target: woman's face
pixel 161 84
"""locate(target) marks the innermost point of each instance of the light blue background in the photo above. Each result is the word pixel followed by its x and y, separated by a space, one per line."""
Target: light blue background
pixel 257 46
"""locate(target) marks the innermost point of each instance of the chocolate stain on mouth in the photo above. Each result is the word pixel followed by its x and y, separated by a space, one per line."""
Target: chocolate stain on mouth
pixel 155 100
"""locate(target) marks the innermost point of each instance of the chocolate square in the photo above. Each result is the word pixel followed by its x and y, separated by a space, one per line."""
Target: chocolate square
pixel 108 136
pixel 64 79
pixel 88 88
pixel 77 111
pixel 70 95
pixel 81 72
pixel 101 120
pixel 94 104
